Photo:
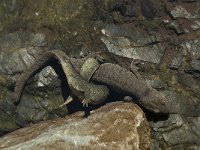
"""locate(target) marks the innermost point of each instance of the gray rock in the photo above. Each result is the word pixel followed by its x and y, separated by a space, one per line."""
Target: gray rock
pixel 16 40
pixel 130 8
pixel 174 121
pixel 180 12
pixel 40 39
pixel 188 133
pixel 17 61
pixel 190 82
pixel 128 42
pixel 176 27
pixel 114 126
pixel 46 76
pixel 123 47
pixel 112 30
pixel 178 58
pixel 38 107
pixel 27 109
pixel 179 104
pixel 191 48
pixel 195 54
pixel 195 25
pixel 147 9
pixel 178 132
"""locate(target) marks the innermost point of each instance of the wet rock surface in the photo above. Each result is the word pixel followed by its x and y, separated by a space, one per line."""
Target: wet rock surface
pixel 141 47
pixel 161 37
pixel 117 125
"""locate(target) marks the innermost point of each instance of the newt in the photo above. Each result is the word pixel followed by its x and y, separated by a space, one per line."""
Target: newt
pixel 84 90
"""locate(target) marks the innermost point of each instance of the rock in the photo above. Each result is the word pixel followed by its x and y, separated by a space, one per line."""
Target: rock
pixel 178 132
pixel 188 133
pixel 191 83
pixel 176 27
pixel 195 54
pixel 179 104
pixel 180 12
pixel 112 30
pixel 114 126
pixel 123 47
pixel 195 25
pixel 136 46
pixel 40 39
pixel 147 9
pixel 178 58
pixel 23 57
pixel 46 76
pixel 174 121
pixel 191 48
pixel 125 9
pixel 7 123
pixel 16 40
pixel 130 8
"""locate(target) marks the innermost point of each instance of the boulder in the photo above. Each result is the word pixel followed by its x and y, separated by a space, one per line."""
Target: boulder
pixel 116 126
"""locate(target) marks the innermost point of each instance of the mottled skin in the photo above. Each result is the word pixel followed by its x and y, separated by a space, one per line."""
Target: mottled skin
pixel 85 91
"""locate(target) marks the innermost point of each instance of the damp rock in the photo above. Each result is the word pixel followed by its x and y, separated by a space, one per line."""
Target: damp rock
pixel 123 47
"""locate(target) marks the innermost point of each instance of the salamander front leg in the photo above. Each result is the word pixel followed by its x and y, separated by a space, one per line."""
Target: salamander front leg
pixel 86 102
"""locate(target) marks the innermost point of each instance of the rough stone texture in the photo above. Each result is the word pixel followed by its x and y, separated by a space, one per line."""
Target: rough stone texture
pixel 15 40
pixel 123 47
pixel 194 47
pixel 147 9
pixel 178 132
pixel 22 57
pixel 191 83
pixel 181 12
pixel 179 104
pixel 176 27
pixel 115 126
pixel 129 42
pixel 39 39
pixel 177 59
pixel 195 25
pixel 46 76
pixel 190 48
pixel 19 48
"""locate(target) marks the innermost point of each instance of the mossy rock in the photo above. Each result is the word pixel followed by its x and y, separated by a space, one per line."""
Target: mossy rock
pixel 3 87
pixel 7 123
pixel 69 21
